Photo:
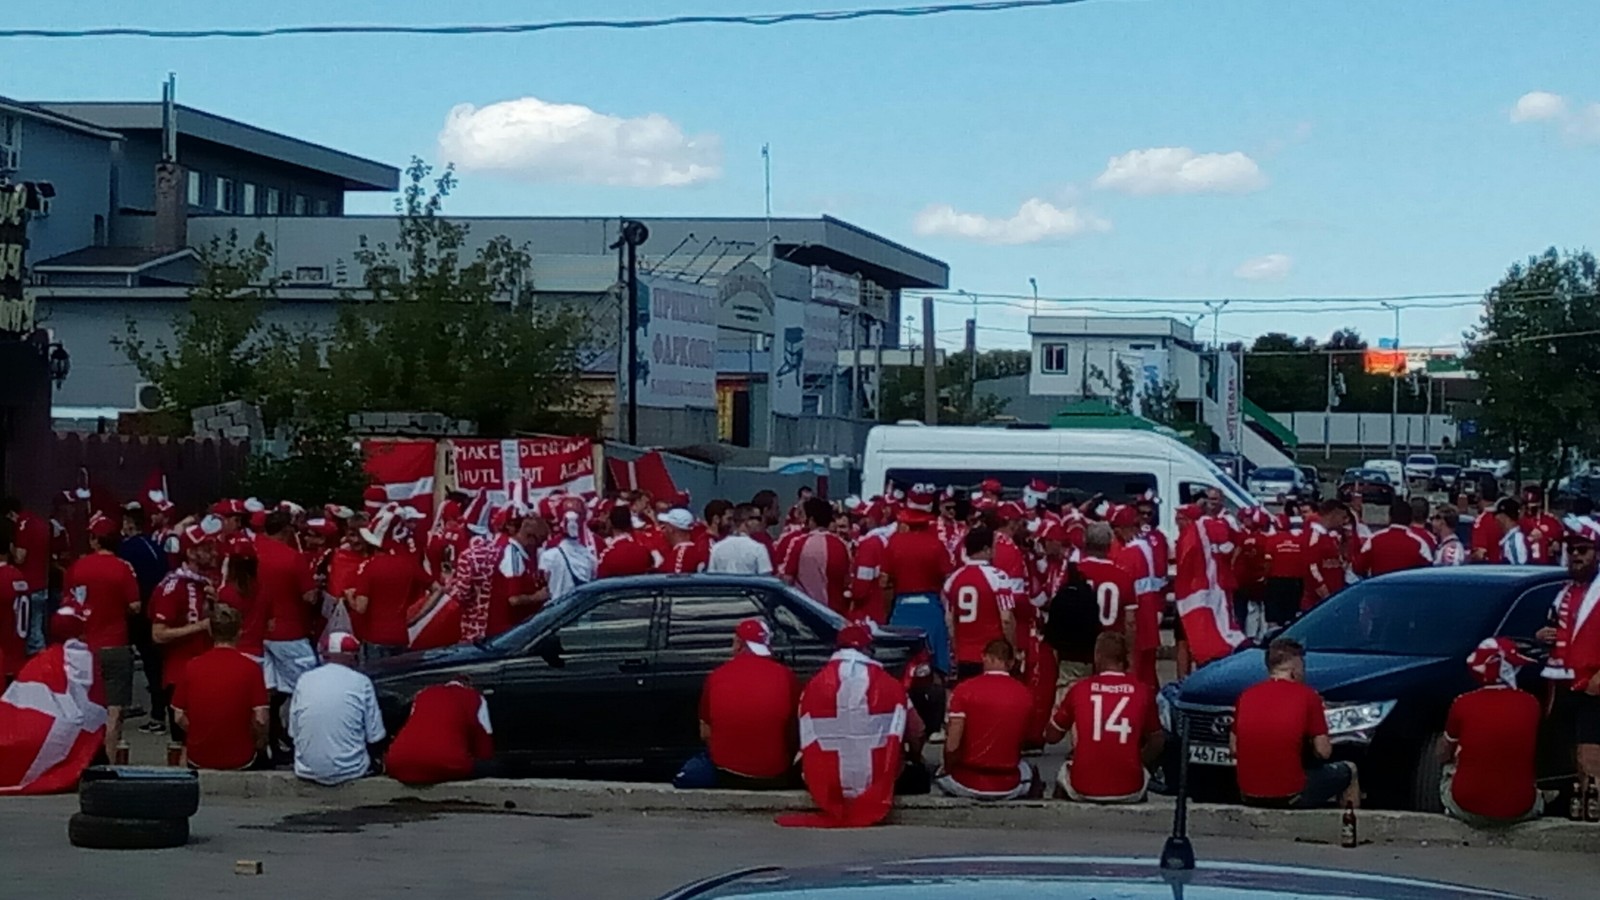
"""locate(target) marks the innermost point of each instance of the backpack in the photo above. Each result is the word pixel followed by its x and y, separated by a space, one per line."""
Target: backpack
pixel 1073 620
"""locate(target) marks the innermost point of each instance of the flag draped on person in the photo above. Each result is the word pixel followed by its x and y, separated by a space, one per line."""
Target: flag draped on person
pixel 50 725
pixel 852 722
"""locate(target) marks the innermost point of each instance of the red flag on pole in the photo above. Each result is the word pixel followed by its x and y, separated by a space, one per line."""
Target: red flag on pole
pixel 647 473
pixel 852 722
pixel 404 470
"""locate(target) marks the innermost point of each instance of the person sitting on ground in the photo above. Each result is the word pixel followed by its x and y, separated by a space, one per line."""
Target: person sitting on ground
pixel 986 731
pixel 747 719
pixel 1116 731
pixel 334 718
pixel 447 737
pixel 1490 745
pixel 1275 722
pixel 221 704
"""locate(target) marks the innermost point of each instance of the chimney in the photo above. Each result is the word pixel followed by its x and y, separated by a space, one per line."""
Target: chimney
pixel 172 185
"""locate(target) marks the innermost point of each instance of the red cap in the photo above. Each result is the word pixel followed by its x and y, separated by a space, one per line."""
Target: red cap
pixel 340 642
pixel 101 525
pixel 228 508
pixel 984 503
pixel 195 535
pixel 1189 511
pixel 854 636
pixel 990 486
pixel 323 527
pixel 1123 517
pixel 241 547
pixel 1010 511
pixel 374 497
pixel 1053 531
pixel 756 636
pixel 258 520
pixel 919 504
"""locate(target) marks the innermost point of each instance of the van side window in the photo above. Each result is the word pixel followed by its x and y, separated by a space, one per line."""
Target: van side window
pixel 1071 486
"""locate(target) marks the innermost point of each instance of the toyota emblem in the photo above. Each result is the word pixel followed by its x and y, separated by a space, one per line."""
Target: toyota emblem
pixel 1222 726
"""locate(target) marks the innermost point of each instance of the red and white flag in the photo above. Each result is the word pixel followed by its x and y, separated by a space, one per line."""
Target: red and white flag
pixel 647 473
pixel 852 722
pixel 404 469
pixel 433 622
pixel 1203 603
pixel 50 726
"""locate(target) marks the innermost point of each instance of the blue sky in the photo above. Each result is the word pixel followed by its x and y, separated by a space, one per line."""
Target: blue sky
pixel 1163 149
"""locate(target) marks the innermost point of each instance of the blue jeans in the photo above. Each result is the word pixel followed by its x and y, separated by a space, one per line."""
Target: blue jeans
pixel 697 774
pixel 38 614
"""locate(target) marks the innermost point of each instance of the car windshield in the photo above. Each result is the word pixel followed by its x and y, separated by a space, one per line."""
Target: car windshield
pixel 1272 475
pixel 1422 459
pixel 1373 475
pixel 1448 469
pixel 1407 618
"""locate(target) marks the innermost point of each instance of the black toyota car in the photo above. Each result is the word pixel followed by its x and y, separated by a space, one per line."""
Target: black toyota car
pixel 609 678
pixel 1388 656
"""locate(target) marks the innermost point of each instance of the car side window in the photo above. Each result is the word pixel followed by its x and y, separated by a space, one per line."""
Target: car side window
pixel 613 626
pixel 705 621
pixel 1531 612
pixel 794 631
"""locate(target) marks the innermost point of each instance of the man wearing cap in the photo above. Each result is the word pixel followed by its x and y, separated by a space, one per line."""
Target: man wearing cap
pixel 1513 543
pixel 180 610
pixel 685 553
pixel 386 586
pixel 915 566
pixel 1323 555
pixel 988 730
pixel 1490 744
pixel 222 701
pixel 867 597
pixel 740 553
pixel 1543 530
pixel 747 719
pixel 1576 636
pixel 818 561
pixel 334 717
pixel 105 585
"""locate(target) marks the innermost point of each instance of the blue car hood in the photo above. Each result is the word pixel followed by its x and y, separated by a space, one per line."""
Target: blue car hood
pixel 1336 676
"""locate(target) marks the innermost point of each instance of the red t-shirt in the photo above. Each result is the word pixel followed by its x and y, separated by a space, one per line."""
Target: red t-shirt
pixel 916 562
pixel 283 578
pixel 105 584
pixel 515 575
pixel 750 702
pixel 390 581
pixel 253 618
pixel 1283 555
pixel 976 594
pixel 343 566
pixel 626 555
pixel 447 732
pixel 688 557
pixel 1274 721
pixel 1395 549
pixel 1112 713
pixel 1113 591
pixel 997 709
pixel 819 564
pixel 33 536
pixel 220 692
pixel 180 600
pixel 1496 730
pixel 1324 561
pixel 1486 535
pixel 13 620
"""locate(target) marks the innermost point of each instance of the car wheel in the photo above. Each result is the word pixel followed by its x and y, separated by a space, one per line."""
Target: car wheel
pixel 1426 776
pixel 103 833
pixel 140 794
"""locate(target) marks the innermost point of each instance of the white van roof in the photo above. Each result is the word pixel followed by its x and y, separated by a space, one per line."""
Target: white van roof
pixel 1115 442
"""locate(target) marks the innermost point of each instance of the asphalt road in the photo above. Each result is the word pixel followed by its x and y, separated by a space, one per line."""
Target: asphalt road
pixel 415 850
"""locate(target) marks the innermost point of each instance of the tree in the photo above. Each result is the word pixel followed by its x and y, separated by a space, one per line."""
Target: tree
pixel 1158 402
pixel 901 393
pixel 1534 352
pixel 322 465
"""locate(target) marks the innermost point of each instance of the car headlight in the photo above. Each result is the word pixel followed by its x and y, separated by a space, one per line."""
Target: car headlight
pixel 1356 719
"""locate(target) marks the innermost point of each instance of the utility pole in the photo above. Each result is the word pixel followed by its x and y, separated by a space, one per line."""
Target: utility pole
pixel 1394 387
pixel 632 234
pixel 930 373
pixel 972 360
pixel 1327 416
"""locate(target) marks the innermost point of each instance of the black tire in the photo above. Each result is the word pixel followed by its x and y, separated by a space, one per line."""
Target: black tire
pixel 1426 776
pixel 102 833
pixel 139 794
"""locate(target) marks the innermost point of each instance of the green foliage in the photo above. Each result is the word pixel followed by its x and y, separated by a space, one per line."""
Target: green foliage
pixel 1287 374
pixel 901 394
pixel 1158 402
pixel 1535 352
pixel 323 465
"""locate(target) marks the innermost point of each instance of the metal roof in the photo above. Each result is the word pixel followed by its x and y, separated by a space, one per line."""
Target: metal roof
pixel 17 107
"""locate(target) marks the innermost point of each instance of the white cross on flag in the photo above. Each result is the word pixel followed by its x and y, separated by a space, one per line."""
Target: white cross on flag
pixel 852 722
pixel 50 727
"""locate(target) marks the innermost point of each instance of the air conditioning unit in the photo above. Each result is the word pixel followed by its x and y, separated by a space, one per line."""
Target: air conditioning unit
pixel 147 397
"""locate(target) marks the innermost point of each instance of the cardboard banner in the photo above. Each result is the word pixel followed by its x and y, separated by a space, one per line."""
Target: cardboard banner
pixel 543 465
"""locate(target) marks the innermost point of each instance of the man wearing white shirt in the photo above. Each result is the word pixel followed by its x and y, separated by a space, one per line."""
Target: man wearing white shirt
pixel 568 563
pixel 739 553
pixel 1444 522
pixel 1513 543
pixel 334 717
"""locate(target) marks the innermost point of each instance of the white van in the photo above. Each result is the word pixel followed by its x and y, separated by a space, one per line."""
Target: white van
pixel 1076 462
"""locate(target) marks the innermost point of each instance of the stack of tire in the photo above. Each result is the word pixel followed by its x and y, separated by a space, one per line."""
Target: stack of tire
pixel 131 808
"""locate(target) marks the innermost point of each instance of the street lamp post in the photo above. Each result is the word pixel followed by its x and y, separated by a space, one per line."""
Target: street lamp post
pixel 1394 387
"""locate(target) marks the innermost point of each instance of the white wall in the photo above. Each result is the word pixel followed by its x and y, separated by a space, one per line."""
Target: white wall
pixel 1412 430
pixel 1173 362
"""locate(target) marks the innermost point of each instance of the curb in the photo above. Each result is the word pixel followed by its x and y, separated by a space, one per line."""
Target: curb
pixel 572 797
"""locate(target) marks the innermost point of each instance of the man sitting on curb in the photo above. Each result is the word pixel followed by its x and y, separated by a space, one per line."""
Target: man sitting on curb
pixel 1116 730
pixel 334 718
pixel 1275 722
pixel 747 719
pixel 984 738
pixel 447 737
pixel 222 701
pixel 1490 744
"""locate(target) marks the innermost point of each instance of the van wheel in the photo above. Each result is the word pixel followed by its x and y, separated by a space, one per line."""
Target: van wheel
pixel 1426 776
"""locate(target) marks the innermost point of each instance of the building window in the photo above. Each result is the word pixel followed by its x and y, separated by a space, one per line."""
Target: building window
pixel 223 200
pixel 322 207
pixel 1053 359
pixel 194 188
pixel 10 143
pixel 1141 346
pixel 300 204
pixel 247 199
pixel 274 202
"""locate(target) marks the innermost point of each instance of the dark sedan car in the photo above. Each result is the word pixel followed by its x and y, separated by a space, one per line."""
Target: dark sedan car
pixel 1388 656
pixel 610 676
pixel 1066 877
pixel 1373 485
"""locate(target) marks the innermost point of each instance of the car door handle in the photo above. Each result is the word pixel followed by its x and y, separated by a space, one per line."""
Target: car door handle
pixel 487 692
pixel 634 664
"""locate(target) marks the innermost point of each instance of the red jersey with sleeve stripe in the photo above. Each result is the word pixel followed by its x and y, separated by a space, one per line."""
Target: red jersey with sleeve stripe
pixel 1138 560
pixel 448 730
pixel 180 600
pixel 1543 532
pixel 1486 535
pixel 1428 536
pixel 780 547
pixel 283 578
pixel 1013 564
pixel 445 546
pixel 1496 733
pixel 1114 592
pixel 869 553
pixel 13 620
pixel 687 557
pixel 1224 536
pixel 33 536
pixel 1111 714
pixel 1580 603
pixel 995 709
pixel 1274 722
pixel 1394 549
pixel 916 562
pixel 106 586
pixel 818 563
pixel 1323 556
pixel 515 575
pixel 976 594
pixel 625 555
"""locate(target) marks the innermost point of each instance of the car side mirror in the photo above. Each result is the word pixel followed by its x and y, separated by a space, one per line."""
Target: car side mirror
pixel 548 648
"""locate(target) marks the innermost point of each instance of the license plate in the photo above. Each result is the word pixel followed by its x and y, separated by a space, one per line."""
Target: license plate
pixel 1205 755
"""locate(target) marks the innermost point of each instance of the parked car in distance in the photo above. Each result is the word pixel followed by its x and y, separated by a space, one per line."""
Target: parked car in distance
pixel 1395 471
pixel 1373 485
pixel 1477 483
pixel 1389 656
pixel 1499 468
pixel 1585 485
pixel 1421 466
pixel 1235 465
pixel 610 677
pixel 1313 483
pixel 1270 484
pixel 1444 476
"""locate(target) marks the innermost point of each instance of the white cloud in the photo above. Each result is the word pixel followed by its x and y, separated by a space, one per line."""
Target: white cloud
pixel 1272 267
pixel 1180 170
pixel 564 142
pixel 1035 221
pixel 1539 106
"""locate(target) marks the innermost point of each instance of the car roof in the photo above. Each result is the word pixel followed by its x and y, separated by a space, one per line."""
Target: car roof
pixel 699 579
pixel 1486 576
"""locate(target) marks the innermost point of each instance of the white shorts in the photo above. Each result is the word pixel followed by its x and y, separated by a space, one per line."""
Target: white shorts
pixel 954 788
pixel 285 661
pixel 1064 782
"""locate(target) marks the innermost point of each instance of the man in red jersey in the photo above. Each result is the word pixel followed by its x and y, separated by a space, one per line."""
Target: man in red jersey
pixel 747 719
pixel 1138 558
pixel 978 606
pixel 1115 728
pixel 818 561
pixel 104 584
pixel 288 595
pixel 1323 555
pixel 387 584
pixel 867 595
pixel 687 552
pixel 447 737
pixel 180 610
pixel 222 701
pixel 1577 644
pixel 626 554
pixel 1286 569
pixel 1490 745
pixel 519 587
pixel 13 609
pixel 1250 571
pixel 1542 529
pixel 1395 548
pixel 1114 590
pixel 1276 723
pixel 915 565
pixel 1486 531
pixel 30 553
pixel 449 537
pixel 987 730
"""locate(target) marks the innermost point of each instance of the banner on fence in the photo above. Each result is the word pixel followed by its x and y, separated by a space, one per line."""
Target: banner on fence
pixel 404 469
pixel 544 465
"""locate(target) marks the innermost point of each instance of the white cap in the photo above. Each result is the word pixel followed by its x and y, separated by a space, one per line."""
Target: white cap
pixel 681 519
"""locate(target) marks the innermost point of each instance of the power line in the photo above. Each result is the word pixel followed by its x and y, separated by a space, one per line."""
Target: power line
pixel 1277 304
pixel 768 19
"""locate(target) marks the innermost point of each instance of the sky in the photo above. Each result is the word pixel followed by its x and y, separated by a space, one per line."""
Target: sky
pixel 1250 150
